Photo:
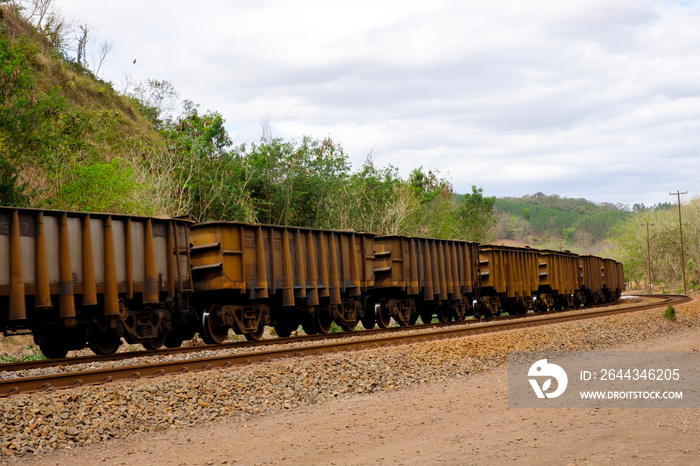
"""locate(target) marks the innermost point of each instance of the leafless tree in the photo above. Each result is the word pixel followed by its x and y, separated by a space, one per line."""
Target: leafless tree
pixel 105 48
pixel 82 42
pixel 58 30
pixel 159 96
pixel 37 10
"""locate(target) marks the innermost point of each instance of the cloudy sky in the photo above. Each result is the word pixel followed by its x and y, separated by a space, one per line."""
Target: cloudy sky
pixel 585 98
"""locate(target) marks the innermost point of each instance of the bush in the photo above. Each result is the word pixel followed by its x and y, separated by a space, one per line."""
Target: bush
pixel 100 187
pixel 670 314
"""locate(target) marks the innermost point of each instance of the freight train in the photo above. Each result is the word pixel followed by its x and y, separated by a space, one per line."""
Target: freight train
pixel 76 280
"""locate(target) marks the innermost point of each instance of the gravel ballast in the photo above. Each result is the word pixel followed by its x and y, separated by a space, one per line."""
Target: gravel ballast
pixel 34 424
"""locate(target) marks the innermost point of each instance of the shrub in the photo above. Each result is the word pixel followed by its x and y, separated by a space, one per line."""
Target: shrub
pixel 670 314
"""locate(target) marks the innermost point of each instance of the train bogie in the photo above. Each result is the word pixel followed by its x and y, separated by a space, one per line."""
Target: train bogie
pixel 249 276
pixel 77 279
pixel 421 277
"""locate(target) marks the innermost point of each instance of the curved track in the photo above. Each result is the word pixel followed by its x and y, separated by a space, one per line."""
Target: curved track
pixel 362 341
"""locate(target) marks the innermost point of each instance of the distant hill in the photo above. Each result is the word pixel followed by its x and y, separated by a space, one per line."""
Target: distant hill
pixel 555 222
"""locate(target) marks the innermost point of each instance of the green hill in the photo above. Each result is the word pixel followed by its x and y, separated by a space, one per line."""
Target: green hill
pixel 557 222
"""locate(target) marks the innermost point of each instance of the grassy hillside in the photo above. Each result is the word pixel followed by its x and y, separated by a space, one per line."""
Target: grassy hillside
pixel 60 125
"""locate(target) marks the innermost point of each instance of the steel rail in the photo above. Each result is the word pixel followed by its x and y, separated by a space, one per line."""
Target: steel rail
pixel 26 385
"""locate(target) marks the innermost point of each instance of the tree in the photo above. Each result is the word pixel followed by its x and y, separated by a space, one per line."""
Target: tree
pixel 105 48
pixel 83 37
pixel 475 216
pixel 157 100
pixel 630 245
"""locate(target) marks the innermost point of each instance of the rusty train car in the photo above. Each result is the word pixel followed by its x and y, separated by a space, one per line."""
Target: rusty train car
pixel 603 279
pixel 421 277
pixel 559 281
pixel 77 280
pixel 516 280
pixel 509 279
pixel 249 276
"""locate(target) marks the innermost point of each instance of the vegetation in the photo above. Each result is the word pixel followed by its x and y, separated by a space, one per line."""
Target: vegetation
pixel 670 313
pixel 69 140
pixel 630 246
pixel 35 355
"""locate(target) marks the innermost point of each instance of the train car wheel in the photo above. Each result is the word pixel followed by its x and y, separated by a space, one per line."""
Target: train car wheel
pixel 173 340
pixel 104 342
pixel 53 347
pixel 382 314
pixel 255 336
pixel 443 313
pixel 426 316
pixel 54 351
pixel 323 320
pixel 368 320
pixel 213 333
pixel 309 325
pixel 156 343
pixel 284 328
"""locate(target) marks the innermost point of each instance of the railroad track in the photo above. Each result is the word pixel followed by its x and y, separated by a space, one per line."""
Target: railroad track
pixel 238 345
pixel 362 341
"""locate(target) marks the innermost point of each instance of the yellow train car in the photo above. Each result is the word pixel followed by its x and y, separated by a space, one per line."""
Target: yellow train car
pixel 509 278
pixel 422 277
pixel 79 279
pixel 248 276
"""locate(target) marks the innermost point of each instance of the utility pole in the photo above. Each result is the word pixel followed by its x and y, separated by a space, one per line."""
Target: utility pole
pixel 649 254
pixel 680 223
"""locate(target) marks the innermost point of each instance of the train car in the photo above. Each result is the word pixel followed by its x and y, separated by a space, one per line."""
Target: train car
pixel 85 279
pixel 559 280
pixel 603 280
pixel 613 280
pixel 248 276
pixel 621 283
pixel 592 280
pixel 509 279
pixel 421 277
